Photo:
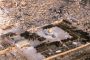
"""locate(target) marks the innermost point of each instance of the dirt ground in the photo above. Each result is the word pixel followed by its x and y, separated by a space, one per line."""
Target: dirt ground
pixel 27 14
pixel 34 13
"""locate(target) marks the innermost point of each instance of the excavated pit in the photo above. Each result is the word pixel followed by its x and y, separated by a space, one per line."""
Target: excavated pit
pixel 44 29
pixel 48 48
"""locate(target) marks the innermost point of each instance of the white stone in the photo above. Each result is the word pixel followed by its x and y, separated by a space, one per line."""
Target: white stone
pixel 58 33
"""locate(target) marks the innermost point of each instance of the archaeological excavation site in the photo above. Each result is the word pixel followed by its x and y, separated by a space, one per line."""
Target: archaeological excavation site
pixel 44 29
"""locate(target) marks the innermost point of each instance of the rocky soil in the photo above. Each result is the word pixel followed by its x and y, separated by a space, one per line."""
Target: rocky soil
pixel 34 13
pixel 27 14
